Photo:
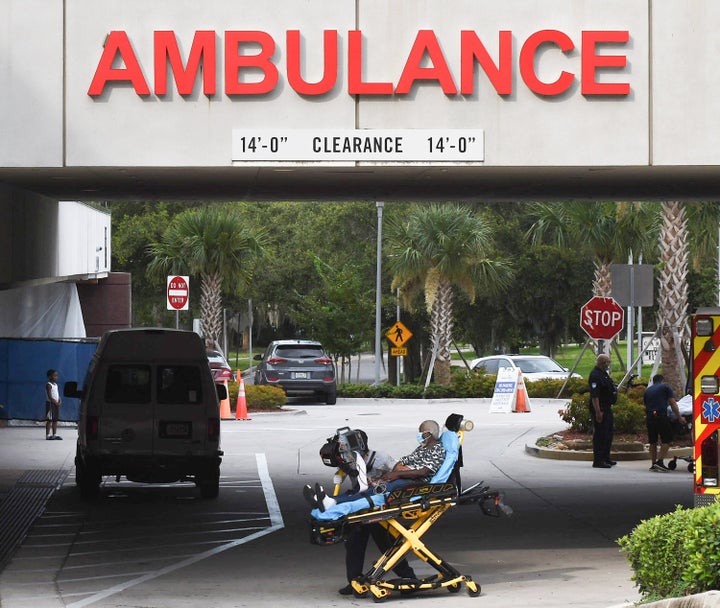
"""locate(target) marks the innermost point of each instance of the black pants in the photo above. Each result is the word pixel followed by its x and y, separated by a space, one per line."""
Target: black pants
pixel 603 436
pixel 356 544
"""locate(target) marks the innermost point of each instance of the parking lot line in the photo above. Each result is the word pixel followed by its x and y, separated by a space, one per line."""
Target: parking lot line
pixel 276 521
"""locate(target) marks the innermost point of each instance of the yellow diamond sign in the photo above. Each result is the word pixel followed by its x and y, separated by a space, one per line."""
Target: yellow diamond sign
pixel 398 334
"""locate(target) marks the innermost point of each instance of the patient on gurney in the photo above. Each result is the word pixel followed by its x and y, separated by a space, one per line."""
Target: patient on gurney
pixel 417 467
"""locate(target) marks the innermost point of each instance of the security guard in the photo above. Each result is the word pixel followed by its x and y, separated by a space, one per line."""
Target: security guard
pixel 603 394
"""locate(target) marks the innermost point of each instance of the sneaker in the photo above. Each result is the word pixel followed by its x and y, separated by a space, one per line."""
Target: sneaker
pixel 660 466
pixel 48 437
pixel 57 437
pixel 346 590
pixel 309 495
pixel 601 465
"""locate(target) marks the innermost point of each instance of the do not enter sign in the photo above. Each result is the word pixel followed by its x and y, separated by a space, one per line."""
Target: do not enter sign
pixel 602 318
pixel 178 293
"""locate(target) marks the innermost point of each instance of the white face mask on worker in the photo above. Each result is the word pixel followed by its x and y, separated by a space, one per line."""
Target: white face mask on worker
pixel 421 437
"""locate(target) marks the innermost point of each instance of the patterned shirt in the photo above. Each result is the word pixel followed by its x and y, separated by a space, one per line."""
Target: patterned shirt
pixel 431 457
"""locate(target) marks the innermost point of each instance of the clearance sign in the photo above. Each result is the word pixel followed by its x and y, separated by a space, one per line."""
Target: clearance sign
pixel 251 67
pixel 706 403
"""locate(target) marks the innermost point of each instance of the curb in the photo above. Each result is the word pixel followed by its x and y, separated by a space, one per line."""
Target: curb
pixel 587 455
pixel 709 599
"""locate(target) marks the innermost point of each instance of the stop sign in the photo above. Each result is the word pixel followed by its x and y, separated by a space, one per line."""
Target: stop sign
pixel 178 293
pixel 602 318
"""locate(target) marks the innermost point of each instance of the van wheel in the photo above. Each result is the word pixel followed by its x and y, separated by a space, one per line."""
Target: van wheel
pixel 87 478
pixel 331 398
pixel 209 484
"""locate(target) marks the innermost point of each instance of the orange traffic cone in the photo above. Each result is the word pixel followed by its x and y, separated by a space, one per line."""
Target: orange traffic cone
pixel 522 401
pixel 225 413
pixel 241 406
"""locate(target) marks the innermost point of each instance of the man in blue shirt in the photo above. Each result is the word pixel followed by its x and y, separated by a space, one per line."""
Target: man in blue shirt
pixel 657 398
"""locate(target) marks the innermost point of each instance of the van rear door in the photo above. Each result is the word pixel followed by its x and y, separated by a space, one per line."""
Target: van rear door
pixel 126 425
pixel 181 418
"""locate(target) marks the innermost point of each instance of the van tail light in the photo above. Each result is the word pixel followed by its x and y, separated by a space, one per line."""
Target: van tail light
pixel 91 428
pixel 324 360
pixel 225 373
pixel 276 360
pixel 213 429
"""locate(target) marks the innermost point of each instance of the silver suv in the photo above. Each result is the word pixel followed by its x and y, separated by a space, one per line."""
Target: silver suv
pixel 298 366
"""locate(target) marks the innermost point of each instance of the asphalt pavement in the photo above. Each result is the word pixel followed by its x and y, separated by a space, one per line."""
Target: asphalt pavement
pixel 559 549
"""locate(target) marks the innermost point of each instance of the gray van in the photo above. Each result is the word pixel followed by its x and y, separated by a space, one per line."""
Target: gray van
pixel 149 411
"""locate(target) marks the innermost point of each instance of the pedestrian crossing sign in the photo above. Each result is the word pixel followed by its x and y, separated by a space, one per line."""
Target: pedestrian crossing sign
pixel 398 334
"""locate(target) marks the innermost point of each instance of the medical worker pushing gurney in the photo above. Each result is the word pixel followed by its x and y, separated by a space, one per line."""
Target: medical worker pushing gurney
pixel 406 501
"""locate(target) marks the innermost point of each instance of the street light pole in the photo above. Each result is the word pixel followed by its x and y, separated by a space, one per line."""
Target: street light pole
pixel 399 359
pixel 378 293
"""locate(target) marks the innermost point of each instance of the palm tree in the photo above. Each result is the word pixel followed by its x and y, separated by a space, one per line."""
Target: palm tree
pixel 673 292
pixel 436 248
pixel 702 220
pixel 216 246
pixel 607 231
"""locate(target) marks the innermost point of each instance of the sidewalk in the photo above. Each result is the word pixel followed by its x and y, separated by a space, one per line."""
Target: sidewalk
pixel 31 469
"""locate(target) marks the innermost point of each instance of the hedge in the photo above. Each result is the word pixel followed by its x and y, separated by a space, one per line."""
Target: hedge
pixel 629 416
pixel 258 397
pixel 463 385
pixel 676 554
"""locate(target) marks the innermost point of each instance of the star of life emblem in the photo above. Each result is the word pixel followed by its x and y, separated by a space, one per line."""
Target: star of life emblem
pixel 711 410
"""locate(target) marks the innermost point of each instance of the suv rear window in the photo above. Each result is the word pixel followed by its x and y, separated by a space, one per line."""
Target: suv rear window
pixel 300 351
pixel 128 384
pixel 180 384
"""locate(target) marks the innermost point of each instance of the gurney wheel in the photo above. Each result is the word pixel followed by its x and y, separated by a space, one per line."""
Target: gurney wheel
pixel 672 464
pixel 453 588
pixel 473 589
pixel 691 467
pixel 380 599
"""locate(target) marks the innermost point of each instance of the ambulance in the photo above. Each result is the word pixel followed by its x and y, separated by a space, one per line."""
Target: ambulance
pixel 705 373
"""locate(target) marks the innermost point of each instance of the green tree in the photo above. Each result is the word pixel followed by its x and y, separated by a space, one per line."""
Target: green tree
pixel 339 312
pixel 340 234
pixel 134 227
pixel 216 246
pixel 607 230
pixel 436 248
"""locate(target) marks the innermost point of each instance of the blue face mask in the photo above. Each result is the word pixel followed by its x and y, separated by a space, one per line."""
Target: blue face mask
pixel 421 437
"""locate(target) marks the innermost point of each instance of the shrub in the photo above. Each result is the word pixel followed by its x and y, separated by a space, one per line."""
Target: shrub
pixel 676 554
pixel 629 416
pixel 577 413
pixel 353 390
pixel 468 385
pixel 547 388
pixel 702 548
pixel 258 397
pixel 463 385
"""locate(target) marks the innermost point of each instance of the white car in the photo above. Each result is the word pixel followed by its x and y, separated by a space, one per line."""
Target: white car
pixel 533 367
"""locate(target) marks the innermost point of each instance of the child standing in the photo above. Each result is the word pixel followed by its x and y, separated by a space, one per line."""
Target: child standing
pixel 52 405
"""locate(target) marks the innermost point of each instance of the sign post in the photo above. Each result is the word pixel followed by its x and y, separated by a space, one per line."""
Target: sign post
pixel 178 295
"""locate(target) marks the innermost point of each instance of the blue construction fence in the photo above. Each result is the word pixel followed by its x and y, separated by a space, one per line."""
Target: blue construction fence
pixel 23 375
